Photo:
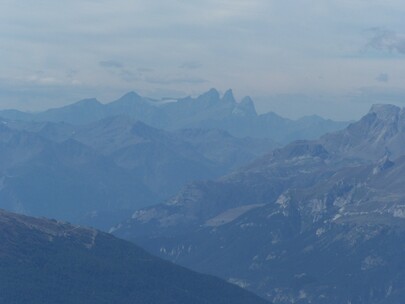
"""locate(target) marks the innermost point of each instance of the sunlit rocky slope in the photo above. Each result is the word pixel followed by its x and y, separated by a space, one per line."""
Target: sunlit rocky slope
pixel 314 222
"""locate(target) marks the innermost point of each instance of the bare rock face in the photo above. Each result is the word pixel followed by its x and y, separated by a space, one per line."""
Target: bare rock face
pixel 381 132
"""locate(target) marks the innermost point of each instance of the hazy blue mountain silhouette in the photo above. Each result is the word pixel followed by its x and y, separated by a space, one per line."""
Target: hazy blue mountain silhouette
pixel 98 173
pixel 66 180
pixel 210 110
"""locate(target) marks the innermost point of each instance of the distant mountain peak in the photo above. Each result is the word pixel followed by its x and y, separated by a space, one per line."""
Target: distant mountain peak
pixel 247 107
pixel 376 134
pixel 228 97
pixel 131 94
pixel 88 102
pixel 128 98
pixel 385 111
pixel 211 94
pixel 247 99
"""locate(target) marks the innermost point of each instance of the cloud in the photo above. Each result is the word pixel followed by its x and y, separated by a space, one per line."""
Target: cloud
pixel 386 40
pixel 148 75
pixel 176 80
pixel 190 65
pixel 128 75
pixel 257 47
pixel 111 64
pixel 118 68
pixel 383 77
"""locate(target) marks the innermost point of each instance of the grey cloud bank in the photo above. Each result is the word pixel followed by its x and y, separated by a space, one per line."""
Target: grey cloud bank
pixel 302 52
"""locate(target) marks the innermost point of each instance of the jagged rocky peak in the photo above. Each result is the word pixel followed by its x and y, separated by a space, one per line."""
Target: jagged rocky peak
pixel 229 97
pixel 385 111
pixel 212 94
pixel 379 123
pixel 247 107
pixel 388 122
pixel 379 132
pixel 247 100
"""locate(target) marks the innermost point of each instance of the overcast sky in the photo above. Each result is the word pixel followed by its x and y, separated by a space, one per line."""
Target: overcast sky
pixel 295 57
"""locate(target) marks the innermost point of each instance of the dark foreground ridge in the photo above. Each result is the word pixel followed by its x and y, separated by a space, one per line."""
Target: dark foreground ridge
pixel 45 261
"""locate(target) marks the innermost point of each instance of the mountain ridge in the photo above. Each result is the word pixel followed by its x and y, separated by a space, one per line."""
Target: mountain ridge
pixel 110 167
pixel 306 223
pixel 208 110
pixel 46 261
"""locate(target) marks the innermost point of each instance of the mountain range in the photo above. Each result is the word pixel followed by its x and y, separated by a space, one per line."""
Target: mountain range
pixel 95 174
pixel 93 163
pixel 46 261
pixel 316 221
pixel 65 180
pixel 208 111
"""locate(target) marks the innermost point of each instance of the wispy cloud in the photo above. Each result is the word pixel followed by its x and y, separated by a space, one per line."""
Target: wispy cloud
pixel 111 64
pixel 119 69
pixel 256 47
pixel 387 40
pixel 178 80
pixel 190 65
